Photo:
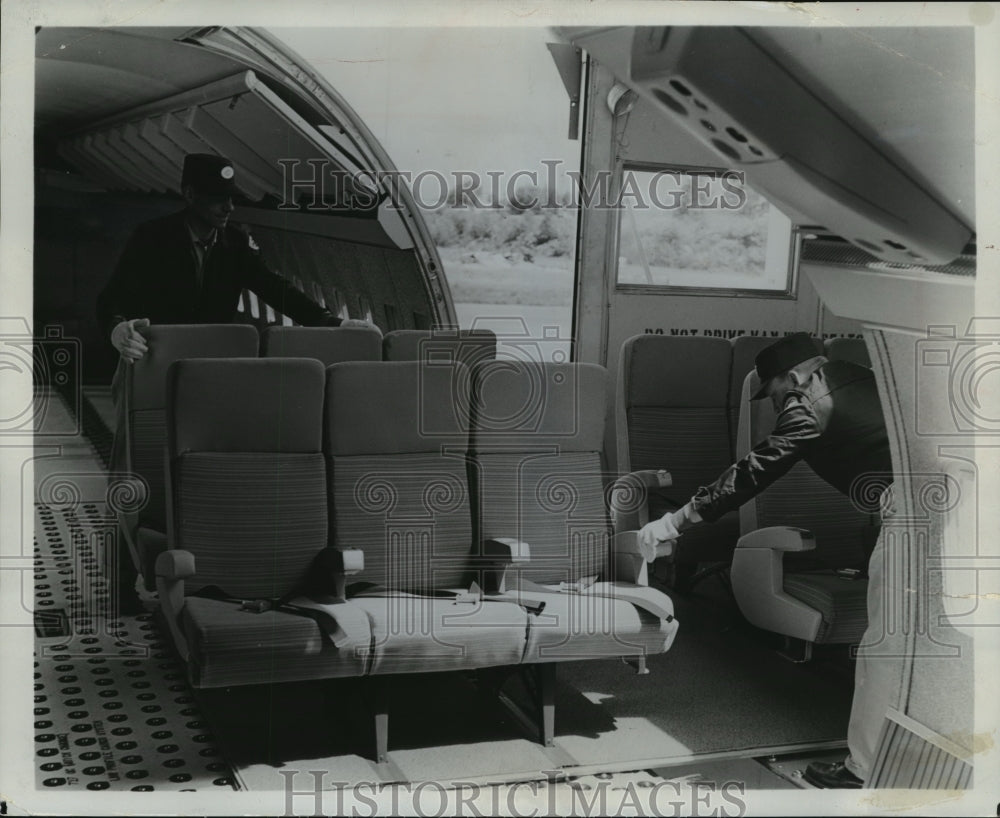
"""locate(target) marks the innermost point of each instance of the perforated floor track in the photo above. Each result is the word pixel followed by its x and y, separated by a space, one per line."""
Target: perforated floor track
pixel 112 707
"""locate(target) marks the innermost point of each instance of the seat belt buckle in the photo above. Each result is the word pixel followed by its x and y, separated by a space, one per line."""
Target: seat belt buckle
pixel 471 597
pixel 579 586
pixel 848 573
pixel 533 606
pixel 256 606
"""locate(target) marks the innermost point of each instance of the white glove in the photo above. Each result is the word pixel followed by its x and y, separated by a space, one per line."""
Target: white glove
pixel 656 532
pixel 127 339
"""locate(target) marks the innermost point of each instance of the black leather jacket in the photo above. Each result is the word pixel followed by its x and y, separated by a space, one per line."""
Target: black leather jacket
pixel 833 421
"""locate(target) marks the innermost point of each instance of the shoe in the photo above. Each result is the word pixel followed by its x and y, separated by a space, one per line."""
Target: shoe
pixel 832 776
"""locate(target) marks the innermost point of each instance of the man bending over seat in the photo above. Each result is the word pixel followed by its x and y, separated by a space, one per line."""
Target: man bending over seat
pixel 829 415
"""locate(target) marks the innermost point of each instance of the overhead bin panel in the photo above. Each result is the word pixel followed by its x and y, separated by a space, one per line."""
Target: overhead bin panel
pixel 238 117
pixel 750 111
pixel 759 115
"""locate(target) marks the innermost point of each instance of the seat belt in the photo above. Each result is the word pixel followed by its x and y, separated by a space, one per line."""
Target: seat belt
pixel 473 596
pixel 641 596
pixel 345 626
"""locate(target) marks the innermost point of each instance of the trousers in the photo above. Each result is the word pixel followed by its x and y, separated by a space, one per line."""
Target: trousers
pixel 879 666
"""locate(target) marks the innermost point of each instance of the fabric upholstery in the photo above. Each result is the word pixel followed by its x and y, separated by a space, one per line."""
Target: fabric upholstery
pixel 149 440
pixel 578 626
pixel 173 342
pixel 554 502
pixel 519 403
pixel 675 394
pixel 249 502
pixel 409 513
pixel 328 345
pixel 395 408
pixel 467 346
pixel 841 602
pixel 245 405
pixel 545 488
pixel 254 521
pixel 421 634
pixel 145 382
pixel 675 371
pixel 230 647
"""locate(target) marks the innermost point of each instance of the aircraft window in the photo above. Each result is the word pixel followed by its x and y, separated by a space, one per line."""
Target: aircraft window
pixel 701 230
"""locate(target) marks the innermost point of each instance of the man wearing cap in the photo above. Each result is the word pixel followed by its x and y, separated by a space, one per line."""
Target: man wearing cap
pixel 190 267
pixel 829 415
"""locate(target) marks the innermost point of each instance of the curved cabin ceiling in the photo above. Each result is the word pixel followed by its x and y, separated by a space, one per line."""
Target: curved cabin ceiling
pixel 85 74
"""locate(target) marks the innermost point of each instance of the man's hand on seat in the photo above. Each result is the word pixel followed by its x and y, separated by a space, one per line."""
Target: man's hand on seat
pixel 127 339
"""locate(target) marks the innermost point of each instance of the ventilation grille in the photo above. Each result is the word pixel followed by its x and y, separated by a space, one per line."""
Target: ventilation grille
pixel 836 251
pixel 910 756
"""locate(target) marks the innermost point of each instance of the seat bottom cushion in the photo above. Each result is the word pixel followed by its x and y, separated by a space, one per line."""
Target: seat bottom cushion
pixel 232 647
pixel 841 602
pixel 578 626
pixel 414 634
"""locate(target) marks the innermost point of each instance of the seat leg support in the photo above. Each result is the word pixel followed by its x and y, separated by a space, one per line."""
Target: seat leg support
pixel 547 703
pixel 380 710
pixel 540 718
pixel 796 650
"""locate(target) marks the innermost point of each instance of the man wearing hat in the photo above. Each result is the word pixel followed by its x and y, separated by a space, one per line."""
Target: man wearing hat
pixel 829 415
pixel 190 267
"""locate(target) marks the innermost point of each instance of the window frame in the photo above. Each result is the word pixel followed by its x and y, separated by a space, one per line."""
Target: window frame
pixel 789 292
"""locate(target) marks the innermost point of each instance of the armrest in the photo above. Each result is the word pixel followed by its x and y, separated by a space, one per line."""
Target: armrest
pixel 173 566
pixel 630 564
pixel 339 564
pixel 757 577
pixel 630 497
pixel 506 551
pixel 779 538
pixel 341 560
pixel 498 554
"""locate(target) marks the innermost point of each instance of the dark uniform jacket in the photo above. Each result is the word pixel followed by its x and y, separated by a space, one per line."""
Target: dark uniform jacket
pixel 833 421
pixel 156 278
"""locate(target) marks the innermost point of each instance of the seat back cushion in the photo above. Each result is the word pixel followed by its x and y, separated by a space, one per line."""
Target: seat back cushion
pixel 328 345
pixel 468 346
pixel 537 464
pixel 248 478
pixel 146 383
pixel 395 442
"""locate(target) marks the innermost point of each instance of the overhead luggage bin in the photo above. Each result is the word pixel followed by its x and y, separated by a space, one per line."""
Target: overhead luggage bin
pixel 765 114
pixel 238 117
